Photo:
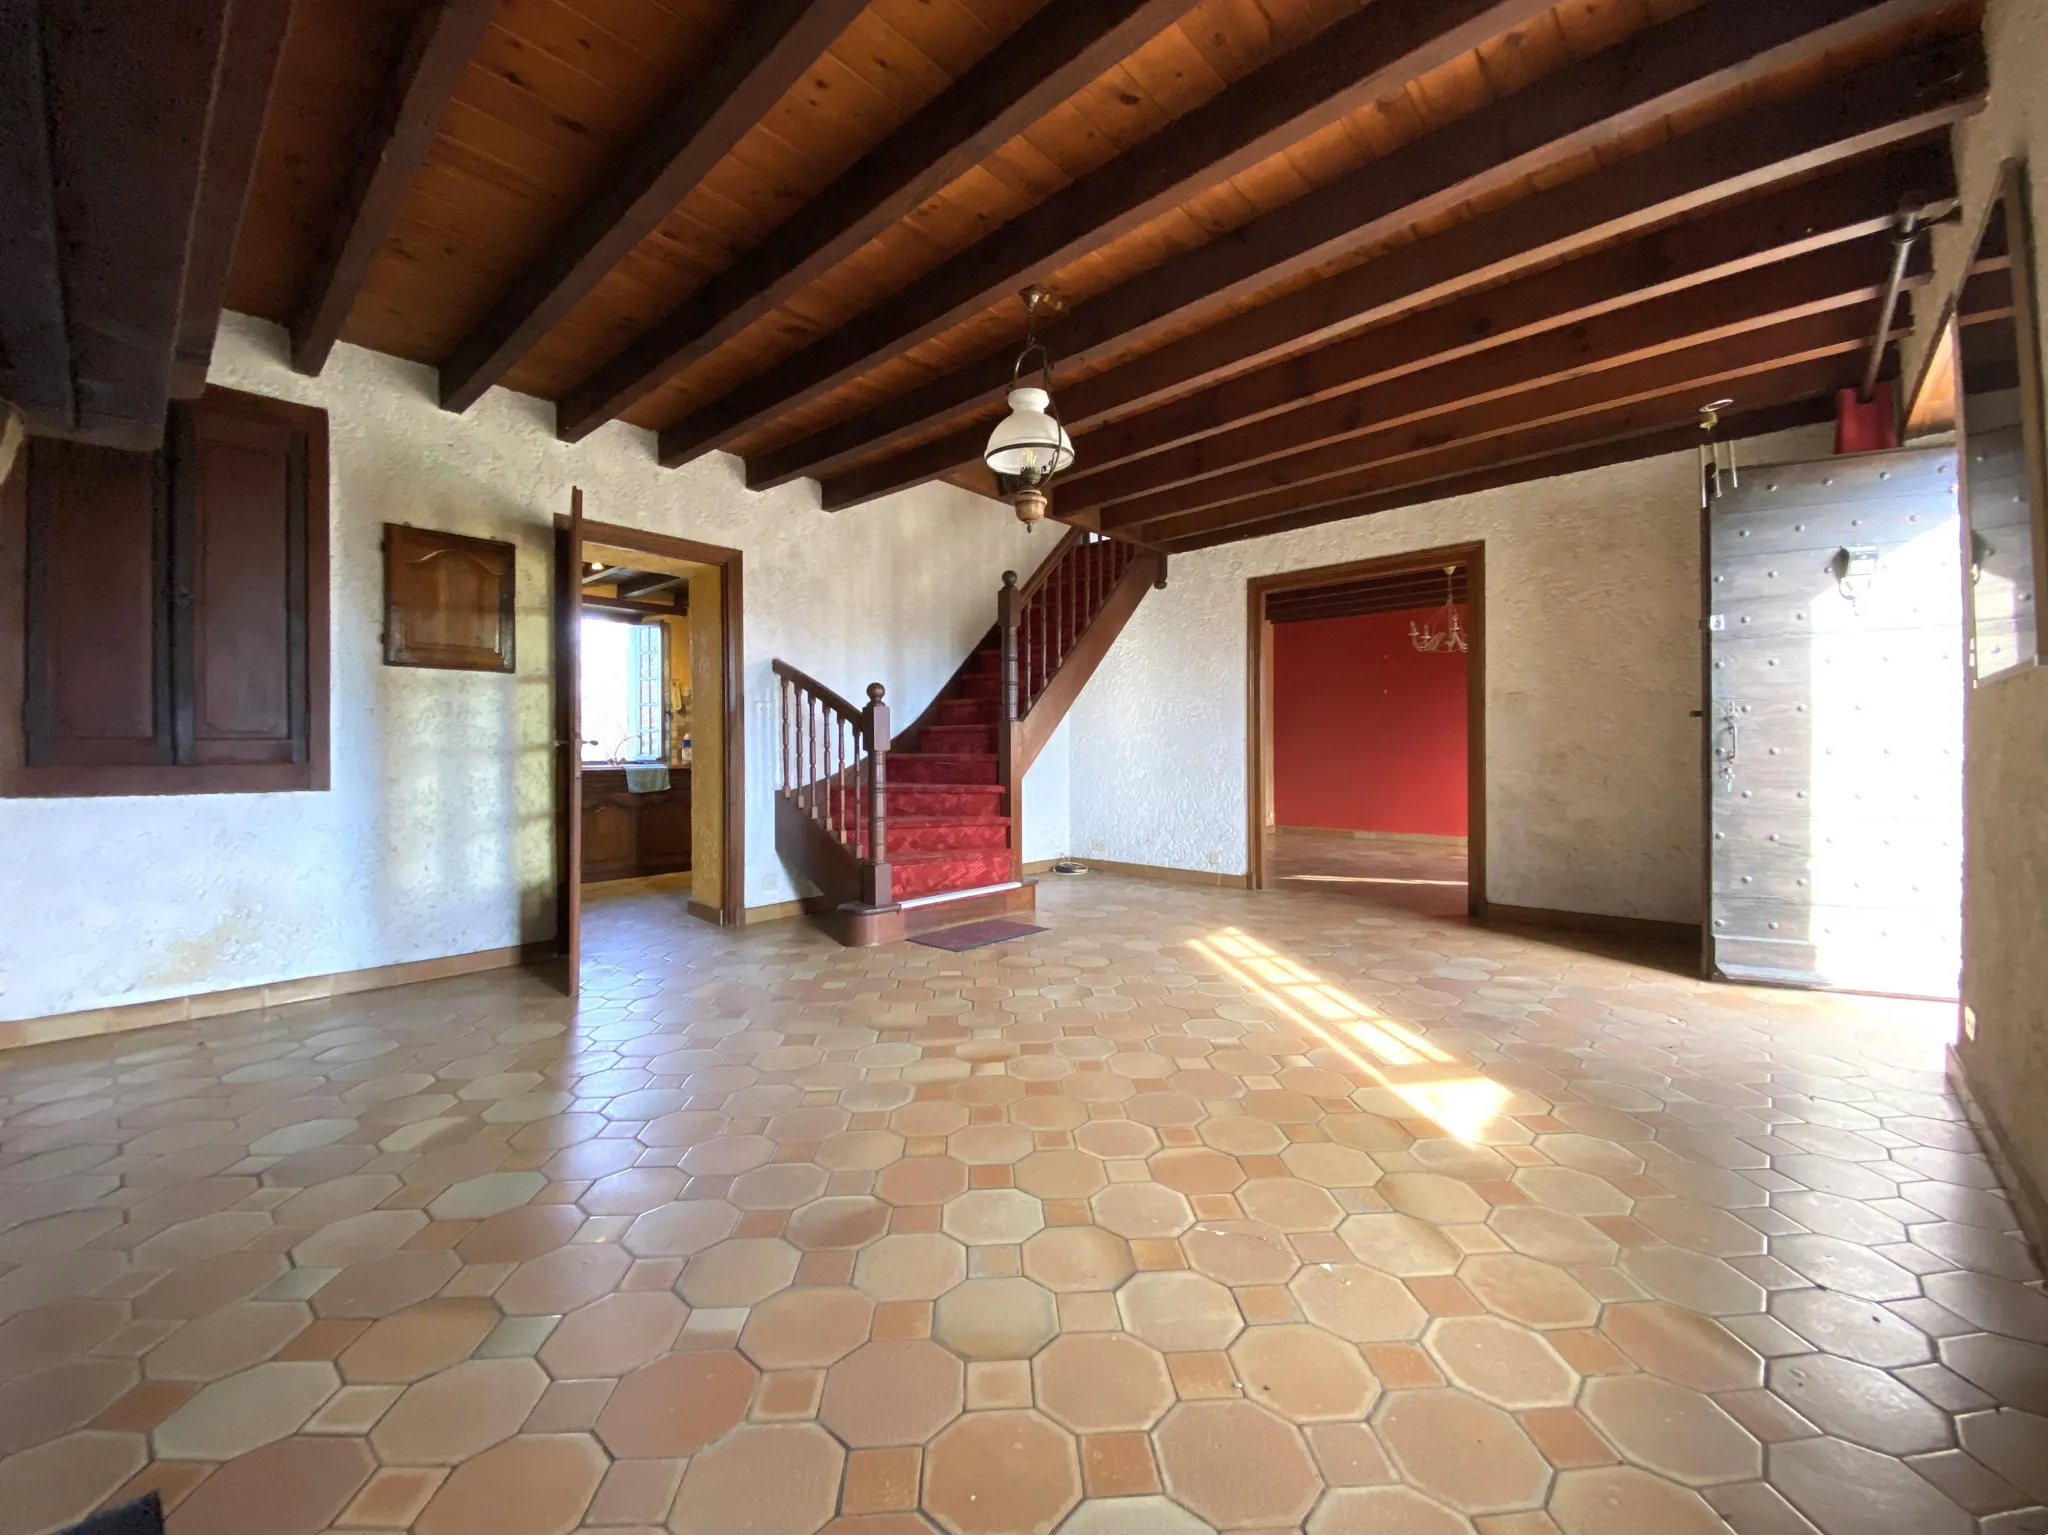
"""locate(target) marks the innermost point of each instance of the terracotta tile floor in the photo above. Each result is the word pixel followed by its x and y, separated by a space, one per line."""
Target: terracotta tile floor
pixel 1201 1211
pixel 1425 878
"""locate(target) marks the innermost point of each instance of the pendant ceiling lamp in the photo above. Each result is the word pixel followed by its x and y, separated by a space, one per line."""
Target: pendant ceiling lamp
pixel 1029 446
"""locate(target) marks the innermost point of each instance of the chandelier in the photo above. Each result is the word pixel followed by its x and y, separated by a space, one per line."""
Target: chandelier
pixel 1431 640
pixel 1029 446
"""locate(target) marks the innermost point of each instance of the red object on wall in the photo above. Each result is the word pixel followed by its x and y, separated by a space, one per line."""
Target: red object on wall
pixel 1861 428
pixel 1368 732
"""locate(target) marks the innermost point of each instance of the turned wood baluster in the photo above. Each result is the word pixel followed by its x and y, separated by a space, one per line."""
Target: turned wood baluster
pixel 1006 621
pixel 875 876
pixel 782 684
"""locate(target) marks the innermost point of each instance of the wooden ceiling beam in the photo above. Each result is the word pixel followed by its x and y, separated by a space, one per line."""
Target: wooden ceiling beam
pixel 769 48
pixel 1350 64
pixel 1663 389
pixel 1202 385
pixel 234 125
pixel 650 583
pixel 1050 58
pixel 1653 442
pixel 393 146
pixel 1711 271
pixel 104 124
pixel 1916 96
pixel 35 344
pixel 1328 434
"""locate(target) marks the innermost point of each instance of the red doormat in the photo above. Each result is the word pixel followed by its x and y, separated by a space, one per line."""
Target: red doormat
pixel 976 935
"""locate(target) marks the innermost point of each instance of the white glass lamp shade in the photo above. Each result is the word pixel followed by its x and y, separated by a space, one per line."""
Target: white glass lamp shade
pixel 1028 443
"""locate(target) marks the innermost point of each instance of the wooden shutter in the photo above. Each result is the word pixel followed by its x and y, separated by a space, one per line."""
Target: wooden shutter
pixel 163 616
pixel 238 608
pixel 96 677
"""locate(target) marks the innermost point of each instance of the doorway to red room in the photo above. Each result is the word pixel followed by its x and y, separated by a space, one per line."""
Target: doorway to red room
pixel 1368 760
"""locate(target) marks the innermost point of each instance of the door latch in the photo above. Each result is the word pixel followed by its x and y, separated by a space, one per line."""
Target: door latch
pixel 1854 570
pixel 1728 744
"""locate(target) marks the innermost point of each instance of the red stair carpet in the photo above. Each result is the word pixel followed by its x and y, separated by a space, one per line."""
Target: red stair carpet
pixel 948 826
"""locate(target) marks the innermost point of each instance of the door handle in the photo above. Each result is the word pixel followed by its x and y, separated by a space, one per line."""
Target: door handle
pixel 1728 743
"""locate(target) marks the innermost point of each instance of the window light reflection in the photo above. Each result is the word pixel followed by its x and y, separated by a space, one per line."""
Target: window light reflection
pixel 1463 1104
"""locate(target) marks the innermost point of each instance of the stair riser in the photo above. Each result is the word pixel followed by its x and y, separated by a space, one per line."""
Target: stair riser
pixel 962 873
pixel 955 802
pixel 980 740
pixel 904 800
pixel 962 837
pixel 907 768
pixel 972 711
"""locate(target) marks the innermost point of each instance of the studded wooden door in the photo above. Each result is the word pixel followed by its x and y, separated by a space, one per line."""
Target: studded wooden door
pixel 1834 719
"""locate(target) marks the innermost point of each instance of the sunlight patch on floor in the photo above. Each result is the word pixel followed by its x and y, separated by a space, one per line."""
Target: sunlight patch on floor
pixel 1463 1104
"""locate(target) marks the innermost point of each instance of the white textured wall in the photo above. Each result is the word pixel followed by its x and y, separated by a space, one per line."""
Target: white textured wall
pixel 1047 832
pixel 436 837
pixel 2005 761
pixel 1592 658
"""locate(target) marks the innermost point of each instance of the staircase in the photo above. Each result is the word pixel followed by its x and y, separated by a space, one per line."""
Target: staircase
pixel 924 831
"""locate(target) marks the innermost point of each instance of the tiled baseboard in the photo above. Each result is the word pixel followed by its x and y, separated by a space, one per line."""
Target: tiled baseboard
pixel 249 999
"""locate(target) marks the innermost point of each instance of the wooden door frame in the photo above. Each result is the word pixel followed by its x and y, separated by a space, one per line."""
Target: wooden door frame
pixel 1259 695
pixel 732 906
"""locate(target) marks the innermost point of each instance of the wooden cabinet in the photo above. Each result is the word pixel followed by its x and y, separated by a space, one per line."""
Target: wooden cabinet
pixel 627 835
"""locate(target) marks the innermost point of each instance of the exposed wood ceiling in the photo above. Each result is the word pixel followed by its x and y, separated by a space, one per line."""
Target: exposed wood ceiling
pixel 128 137
pixel 1317 254
pixel 1426 588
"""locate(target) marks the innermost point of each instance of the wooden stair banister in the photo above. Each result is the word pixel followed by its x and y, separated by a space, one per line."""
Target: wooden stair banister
pixel 1146 571
pixel 951 847
pixel 833 786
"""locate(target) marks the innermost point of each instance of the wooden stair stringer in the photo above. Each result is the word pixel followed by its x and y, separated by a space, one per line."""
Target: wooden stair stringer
pixel 1030 734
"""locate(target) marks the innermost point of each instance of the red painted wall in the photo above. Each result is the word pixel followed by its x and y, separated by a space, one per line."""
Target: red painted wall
pixel 1368 732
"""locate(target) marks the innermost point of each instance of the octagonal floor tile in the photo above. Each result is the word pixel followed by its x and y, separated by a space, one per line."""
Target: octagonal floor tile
pixel 1463 1453
pixel 1100 1383
pixel 1001 1473
pixel 1236 1465
pixel 1507 1364
pixel 1305 1374
pixel 892 1392
pixel 995 1319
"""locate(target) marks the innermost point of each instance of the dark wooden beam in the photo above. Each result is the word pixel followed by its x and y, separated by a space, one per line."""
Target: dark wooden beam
pixel 234 124
pixel 124 96
pixel 1912 97
pixel 35 344
pixel 769 48
pixel 1350 64
pixel 1739 265
pixel 1328 434
pixel 647 584
pixel 1653 442
pixel 393 146
pixel 1811 357
pixel 1050 58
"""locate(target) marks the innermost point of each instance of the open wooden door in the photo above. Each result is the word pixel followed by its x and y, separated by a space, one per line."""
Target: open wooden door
pixel 569 737
pixel 1835 725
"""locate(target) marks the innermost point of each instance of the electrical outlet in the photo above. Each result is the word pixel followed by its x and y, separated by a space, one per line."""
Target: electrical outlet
pixel 1213 860
pixel 1097 845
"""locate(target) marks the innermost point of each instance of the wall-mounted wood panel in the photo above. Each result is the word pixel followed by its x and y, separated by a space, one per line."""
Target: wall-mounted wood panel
pixel 448 600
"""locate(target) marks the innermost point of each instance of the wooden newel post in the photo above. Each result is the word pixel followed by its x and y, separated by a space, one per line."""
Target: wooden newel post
pixel 1007 714
pixel 1006 617
pixel 880 887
